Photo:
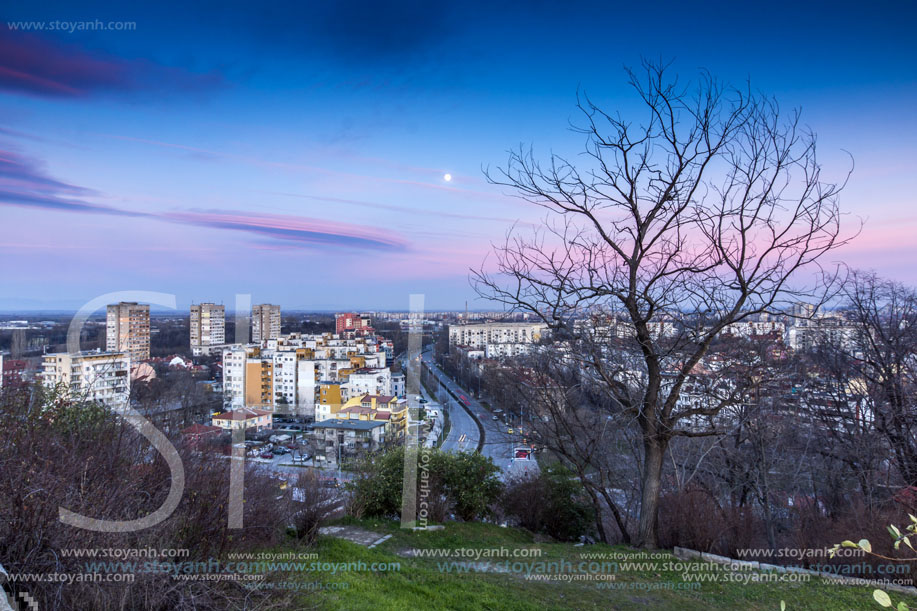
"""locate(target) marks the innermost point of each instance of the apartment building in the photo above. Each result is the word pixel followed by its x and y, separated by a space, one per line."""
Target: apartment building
pixel 243 418
pixel 208 328
pixel 248 377
pixel 350 321
pixel 265 322
pixel 297 373
pixel 826 329
pixel 497 339
pixel 128 330
pixel 755 328
pixel 348 437
pixel 399 385
pixel 103 377
pixel 369 382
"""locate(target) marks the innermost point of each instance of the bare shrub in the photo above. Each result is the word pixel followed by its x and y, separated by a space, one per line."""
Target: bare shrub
pixel 62 453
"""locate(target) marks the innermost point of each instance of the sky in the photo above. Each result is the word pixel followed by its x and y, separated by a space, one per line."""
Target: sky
pixel 298 151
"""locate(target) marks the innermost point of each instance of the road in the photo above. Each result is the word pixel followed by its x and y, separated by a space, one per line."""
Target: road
pixel 463 433
pixel 498 443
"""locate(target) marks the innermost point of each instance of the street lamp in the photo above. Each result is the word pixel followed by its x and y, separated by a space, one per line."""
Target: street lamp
pixel 607 420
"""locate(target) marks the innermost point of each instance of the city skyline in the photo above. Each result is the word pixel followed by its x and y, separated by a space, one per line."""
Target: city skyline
pixel 301 155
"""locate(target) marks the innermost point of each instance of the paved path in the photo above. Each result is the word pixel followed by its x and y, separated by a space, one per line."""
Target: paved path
pixel 360 536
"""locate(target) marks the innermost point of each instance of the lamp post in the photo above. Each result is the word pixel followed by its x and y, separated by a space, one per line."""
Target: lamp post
pixel 340 444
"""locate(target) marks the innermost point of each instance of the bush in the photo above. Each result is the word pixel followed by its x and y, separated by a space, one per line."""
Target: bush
pixel 313 503
pixel 466 484
pixel 59 452
pixel 553 502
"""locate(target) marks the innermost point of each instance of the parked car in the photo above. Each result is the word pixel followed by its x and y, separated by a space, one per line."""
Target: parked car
pixel 496 417
pixel 266 454
pixel 280 450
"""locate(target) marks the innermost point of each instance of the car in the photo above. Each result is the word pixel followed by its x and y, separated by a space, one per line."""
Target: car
pixel 510 431
pixel 496 417
pixel 280 450
pixel 291 446
pixel 266 454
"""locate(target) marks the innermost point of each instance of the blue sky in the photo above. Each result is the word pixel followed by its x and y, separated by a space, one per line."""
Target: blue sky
pixel 297 151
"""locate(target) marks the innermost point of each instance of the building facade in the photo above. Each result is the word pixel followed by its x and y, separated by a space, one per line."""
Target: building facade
pixel 127 329
pixel 301 374
pixel 103 377
pixel 265 322
pixel 243 418
pixel 208 328
pixel 350 321
pixel 497 339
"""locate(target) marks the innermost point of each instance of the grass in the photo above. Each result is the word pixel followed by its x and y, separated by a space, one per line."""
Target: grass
pixel 439 583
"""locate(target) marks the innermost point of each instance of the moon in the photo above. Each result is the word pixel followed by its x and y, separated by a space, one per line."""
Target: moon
pixel 447 177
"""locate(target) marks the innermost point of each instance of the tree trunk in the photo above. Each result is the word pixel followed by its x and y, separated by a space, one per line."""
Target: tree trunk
pixel 619 520
pixel 597 507
pixel 654 452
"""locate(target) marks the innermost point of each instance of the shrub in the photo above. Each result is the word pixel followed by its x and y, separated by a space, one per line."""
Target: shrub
pixel 466 484
pixel 552 502
pixel 60 452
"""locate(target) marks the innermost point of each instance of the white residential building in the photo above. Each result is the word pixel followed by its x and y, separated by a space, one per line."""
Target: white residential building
pixel 285 374
pixel 752 328
pixel 831 330
pixel 103 377
pixel 369 382
pixel 497 339
pixel 399 385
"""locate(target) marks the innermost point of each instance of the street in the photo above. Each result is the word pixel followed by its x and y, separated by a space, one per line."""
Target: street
pixel 498 443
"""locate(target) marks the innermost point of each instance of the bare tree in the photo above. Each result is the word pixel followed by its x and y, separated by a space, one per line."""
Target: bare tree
pixel 879 364
pixel 698 217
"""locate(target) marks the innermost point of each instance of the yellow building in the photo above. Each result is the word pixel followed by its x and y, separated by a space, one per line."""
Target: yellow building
pixel 377 407
pixel 259 387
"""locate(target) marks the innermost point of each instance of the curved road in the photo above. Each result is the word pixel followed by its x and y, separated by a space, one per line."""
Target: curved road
pixel 498 443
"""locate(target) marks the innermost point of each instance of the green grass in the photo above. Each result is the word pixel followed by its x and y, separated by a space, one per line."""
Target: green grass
pixel 422 584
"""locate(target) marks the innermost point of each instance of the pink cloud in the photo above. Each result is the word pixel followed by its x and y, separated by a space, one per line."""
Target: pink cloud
pixel 295 230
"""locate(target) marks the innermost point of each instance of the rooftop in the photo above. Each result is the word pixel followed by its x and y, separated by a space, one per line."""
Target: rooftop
pixel 348 425
pixel 243 413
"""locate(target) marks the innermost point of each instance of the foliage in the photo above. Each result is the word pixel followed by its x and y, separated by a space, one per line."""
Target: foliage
pixel 899 537
pixel 553 502
pixel 464 483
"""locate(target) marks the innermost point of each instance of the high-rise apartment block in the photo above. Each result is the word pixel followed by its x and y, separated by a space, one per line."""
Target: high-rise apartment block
pixel 128 330
pixel 208 328
pixel 265 322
